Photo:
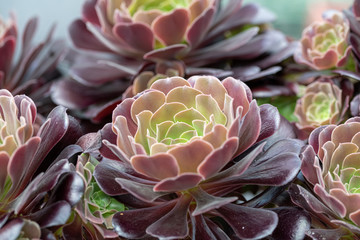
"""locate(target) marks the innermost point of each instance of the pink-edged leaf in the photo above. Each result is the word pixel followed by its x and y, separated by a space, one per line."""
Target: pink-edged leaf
pixel 174 223
pixel 42 183
pixel 249 223
pixel 96 74
pixel 55 214
pixel 107 171
pixel 142 191
pixel 239 91
pixel 12 230
pixel 306 200
pixel 270 121
pixel 23 156
pixel 159 166
pixel 89 12
pixel 132 224
pixel 199 27
pixel 136 35
pixel 250 128
pixel 166 53
pixel 124 109
pixel 335 204
pixel 310 166
pixel 178 183
pixel 330 234
pixel 206 202
pixel 7 49
pixel 170 28
pixel 4 160
pixel 214 162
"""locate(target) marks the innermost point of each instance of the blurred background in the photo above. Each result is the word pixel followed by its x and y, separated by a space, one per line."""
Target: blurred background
pixel 293 15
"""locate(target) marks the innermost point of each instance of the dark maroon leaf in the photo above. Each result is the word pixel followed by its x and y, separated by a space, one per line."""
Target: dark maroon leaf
pixel 328 234
pixel 200 228
pixel 199 27
pixel 55 214
pixel 7 49
pixel 270 121
pixel 293 223
pixel 206 202
pixel 12 229
pixel 249 223
pixel 73 231
pixel 133 223
pixel 174 223
pixel 70 188
pixel 276 171
pixel 142 191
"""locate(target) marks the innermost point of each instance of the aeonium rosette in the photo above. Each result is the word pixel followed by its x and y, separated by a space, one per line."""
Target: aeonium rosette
pixel 173 147
pixel 322 103
pixel 324 44
pixel 331 165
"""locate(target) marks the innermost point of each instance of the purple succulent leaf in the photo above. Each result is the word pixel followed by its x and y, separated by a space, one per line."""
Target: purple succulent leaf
pixel 264 73
pixel 349 74
pixel 51 132
pixel 249 223
pixel 73 230
pixel 247 128
pixel 350 228
pixel 12 229
pixel 89 12
pixel 178 183
pixel 285 131
pixel 107 171
pixel 310 166
pixel 278 56
pixel 221 49
pixel 356 8
pixel 219 73
pixel 69 152
pixel 172 225
pixel 336 205
pixel 271 90
pixel 238 168
pixel 42 183
pixel 23 156
pixel 200 229
pixel 354 24
pixel 82 38
pixel 273 150
pixel 132 224
pixel 137 36
pixel 142 191
pixel 355 106
pixel 98 73
pixel 304 199
pixel 28 34
pixel 250 14
pixel 270 121
pixel 166 53
pixel 199 27
pixel 206 202
pixel 275 171
pixel 242 72
pixel 46 234
pixel 55 214
pixel 216 230
pixel 7 49
pixel 293 223
pixel 328 234
pixel 4 218
pixel 70 188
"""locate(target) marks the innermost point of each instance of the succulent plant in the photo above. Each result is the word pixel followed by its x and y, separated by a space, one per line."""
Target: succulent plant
pixel 28 193
pixel 182 38
pixel 31 72
pixel 321 104
pixel 329 163
pixel 93 214
pixel 169 152
pixel 324 45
